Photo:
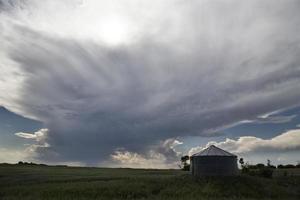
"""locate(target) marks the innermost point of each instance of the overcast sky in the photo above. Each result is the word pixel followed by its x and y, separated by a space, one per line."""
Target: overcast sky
pixel 138 83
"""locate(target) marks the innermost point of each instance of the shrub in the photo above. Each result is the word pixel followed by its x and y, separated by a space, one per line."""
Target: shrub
pixel 260 166
pixel 245 169
pixel 186 167
pixel 266 172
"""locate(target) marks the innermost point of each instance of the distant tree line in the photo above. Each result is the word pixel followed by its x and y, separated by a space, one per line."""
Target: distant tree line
pixel 288 166
pixel 261 165
pixel 22 163
pixel 36 164
pixel 29 163
pixel 263 170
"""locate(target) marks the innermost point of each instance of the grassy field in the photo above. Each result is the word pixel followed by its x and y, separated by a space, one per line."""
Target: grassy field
pixel 287 172
pixel 40 182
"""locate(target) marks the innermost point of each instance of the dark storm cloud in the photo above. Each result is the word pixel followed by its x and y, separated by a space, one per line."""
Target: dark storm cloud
pixel 216 64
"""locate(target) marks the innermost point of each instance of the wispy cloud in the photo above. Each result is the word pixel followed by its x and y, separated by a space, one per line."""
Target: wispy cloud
pixel 277 119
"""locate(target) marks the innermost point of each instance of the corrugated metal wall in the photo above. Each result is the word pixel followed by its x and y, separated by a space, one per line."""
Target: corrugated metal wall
pixel 214 166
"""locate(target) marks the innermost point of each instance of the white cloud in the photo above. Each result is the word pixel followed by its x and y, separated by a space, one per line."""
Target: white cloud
pixel 26 135
pixel 135 160
pixel 27 155
pixel 12 155
pixel 285 142
pixel 39 136
pixel 28 152
pixel 162 156
pixel 41 144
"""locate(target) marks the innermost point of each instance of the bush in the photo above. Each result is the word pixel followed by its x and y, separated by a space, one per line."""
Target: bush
pixel 186 167
pixel 245 170
pixel 261 171
pixel 266 172
pixel 289 166
pixel 260 166
pixel 272 166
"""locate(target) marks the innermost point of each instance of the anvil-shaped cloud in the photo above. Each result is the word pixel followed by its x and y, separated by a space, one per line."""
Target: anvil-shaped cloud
pixel 176 68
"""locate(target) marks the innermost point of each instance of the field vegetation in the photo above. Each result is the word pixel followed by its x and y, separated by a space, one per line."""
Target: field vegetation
pixel 61 182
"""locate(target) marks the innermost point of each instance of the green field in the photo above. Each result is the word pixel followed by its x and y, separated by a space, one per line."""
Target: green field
pixel 41 182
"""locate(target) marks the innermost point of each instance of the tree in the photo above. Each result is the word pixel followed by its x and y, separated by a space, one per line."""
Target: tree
pixel 245 167
pixel 268 163
pixel 185 165
pixel 280 166
pixel 241 161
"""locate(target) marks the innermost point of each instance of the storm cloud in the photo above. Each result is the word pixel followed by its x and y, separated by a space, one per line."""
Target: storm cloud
pixel 179 69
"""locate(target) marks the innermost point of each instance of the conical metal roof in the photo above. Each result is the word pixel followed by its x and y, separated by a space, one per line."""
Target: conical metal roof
pixel 212 150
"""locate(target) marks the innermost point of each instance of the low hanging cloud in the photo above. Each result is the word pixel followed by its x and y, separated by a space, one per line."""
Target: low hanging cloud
pixel 135 160
pixel 286 142
pixel 162 156
pixel 178 69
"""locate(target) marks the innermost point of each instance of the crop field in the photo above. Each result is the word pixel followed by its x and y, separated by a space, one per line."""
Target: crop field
pixel 45 182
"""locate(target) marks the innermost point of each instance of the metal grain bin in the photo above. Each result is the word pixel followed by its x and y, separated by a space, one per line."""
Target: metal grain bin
pixel 214 161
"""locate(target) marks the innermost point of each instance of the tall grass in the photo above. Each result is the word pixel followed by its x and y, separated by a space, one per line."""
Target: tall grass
pixel 39 182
